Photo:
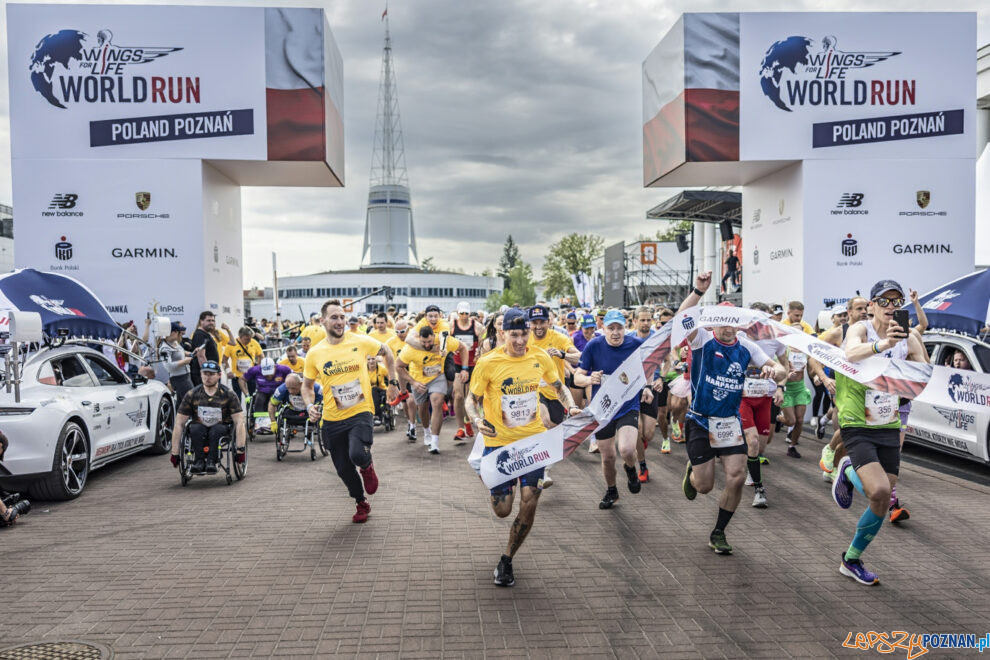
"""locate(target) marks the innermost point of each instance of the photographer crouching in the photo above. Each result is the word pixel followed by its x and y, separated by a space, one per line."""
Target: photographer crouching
pixel 11 505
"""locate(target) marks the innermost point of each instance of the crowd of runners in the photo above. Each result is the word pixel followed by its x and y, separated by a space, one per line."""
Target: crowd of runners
pixel 512 374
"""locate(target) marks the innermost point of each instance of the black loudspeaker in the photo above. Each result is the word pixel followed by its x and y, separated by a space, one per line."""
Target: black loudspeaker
pixel 682 244
pixel 726 228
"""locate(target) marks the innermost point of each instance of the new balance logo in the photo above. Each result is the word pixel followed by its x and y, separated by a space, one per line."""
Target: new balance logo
pixel 63 201
pixel 850 200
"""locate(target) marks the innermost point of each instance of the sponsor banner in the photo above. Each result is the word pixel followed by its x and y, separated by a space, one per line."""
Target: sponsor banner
pixel 885 129
pixel 957 389
pixel 711 316
pixel 549 447
pixel 161 128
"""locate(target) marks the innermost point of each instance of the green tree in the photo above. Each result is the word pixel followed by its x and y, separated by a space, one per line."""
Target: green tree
pixel 675 229
pixel 570 255
pixel 509 259
pixel 428 265
pixel 521 291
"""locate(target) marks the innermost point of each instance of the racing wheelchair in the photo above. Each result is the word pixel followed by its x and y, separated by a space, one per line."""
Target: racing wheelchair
pixel 256 415
pixel 226 462
pixel 289 423
pixel 384 413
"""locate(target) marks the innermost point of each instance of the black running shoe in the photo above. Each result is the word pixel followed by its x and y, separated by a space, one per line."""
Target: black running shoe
pixel 632 479
pixel 611 495
pixel 793 452
pixel 503 572
pixel 718 543
pixel 198 467
pixel 211 466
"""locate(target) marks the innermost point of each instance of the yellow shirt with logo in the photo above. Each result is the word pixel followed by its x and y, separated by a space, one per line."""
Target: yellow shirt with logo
pixel 379 378
pixel 297 367
pixel 424 366
pixel 395 344
pixel 441 326
pixel 314 332
pixel 552 339
pixel 243 356
pixel 510 390
pixel 342 371
pixel 383 337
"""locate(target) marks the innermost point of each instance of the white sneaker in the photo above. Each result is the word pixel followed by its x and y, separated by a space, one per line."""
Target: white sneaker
pixel 828 477
pixel 749 479
pixel 547 479
pixel 426 437
pixel 814 422
pixel 593 448
pixel 435 445
pixel 760 499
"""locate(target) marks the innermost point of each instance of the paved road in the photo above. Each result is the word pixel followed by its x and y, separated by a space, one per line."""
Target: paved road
pixel 273 565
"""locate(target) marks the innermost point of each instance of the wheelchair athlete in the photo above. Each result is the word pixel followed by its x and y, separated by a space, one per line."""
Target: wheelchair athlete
pixel 214 410
pixel 287 401
pixel 378 375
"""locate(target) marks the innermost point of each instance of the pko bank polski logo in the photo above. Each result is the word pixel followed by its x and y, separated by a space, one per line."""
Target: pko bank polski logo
pixel 68 67
pixel 794 74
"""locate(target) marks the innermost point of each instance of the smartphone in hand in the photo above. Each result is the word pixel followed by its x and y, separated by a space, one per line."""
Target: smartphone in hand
pixel 901 319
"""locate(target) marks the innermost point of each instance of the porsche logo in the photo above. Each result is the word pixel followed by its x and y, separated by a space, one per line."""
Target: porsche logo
pixel 923 197
pixel 143 200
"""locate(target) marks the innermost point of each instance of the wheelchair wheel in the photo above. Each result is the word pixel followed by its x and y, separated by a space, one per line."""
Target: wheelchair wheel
pixel 282 441
pixel 249 418
pixel 185 460
pixel 312 446
pixel 240 469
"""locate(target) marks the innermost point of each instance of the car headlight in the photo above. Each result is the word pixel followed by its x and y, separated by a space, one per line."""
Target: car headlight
pixel 15 411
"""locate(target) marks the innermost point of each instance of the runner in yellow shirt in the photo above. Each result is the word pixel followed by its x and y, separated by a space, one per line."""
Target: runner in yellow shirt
pixel 425 368
pixel 238 357
pixel 314 331
pixel 292 360
pixel 396 343
pixel 380 331
pixel 504 403
pixel 340 365
pixel 434 319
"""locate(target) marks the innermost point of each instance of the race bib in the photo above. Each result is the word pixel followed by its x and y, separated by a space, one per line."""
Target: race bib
pixel 243 364
pixel 263 423
pixel 467 340
pixel 758 387
pixel 209 415
pixel 724 432
pixel 296 401
pixel 798 360
pixel 431 370
pixel 348 394
pixel 880 407
pixel 519 409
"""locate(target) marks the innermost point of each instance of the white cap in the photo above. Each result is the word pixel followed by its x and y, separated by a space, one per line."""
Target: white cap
pixel 267 366
pixel 463 307
pixel 503 309
pixel 839 309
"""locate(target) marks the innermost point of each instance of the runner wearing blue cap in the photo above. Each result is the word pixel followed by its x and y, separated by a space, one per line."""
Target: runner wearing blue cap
pixel 600 358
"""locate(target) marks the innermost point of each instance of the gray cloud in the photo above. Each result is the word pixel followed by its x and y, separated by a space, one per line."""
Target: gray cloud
pixel 519 116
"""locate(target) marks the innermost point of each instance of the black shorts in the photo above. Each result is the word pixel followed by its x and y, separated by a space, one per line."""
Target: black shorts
pixel 661 396
pixel 555 408
pixel 359 427
pixel 630 418
pixel 651 409
pixel 699 448
pixel 569 381
pixel 881 446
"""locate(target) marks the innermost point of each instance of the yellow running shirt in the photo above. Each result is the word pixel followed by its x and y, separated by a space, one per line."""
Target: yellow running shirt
pixel 553 339
pixel 342 371
pixel 441 326
pixel 424 366
pixel 510 388
pixel 383 337
pixel 297 367
pixel 316 333
pixel 395 344
pixel 242 357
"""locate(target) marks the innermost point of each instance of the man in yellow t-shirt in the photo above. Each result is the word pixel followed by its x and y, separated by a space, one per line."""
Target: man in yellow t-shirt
pixel 292 360
pixel 504 403
pixel 380 331
pixel 434 319
pixel 795 316
pixel 396 343
pixel 238 357
pixel 314 331
pixel 340 365
pixel 424 366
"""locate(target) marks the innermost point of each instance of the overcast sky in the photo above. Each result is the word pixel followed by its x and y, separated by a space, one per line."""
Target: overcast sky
pixel 520 117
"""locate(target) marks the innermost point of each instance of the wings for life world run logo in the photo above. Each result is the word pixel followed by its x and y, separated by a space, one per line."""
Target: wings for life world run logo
pixel 511 461
pixel 71 67
pixel 794 73
pixel 963 389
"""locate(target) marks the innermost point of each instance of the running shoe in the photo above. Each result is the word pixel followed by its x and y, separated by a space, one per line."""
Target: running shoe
pixel 854 568
pixel 820 431
pixel 764 460
pixel 842 488
pixel 749 479
pixel 411 433
pixel 632 479
pixel 718 543
pixel 793 452
pixel 644 475
pixel 459 437
pixel 469 429
pixel 827 461
pixel 611 496
pixel 675 431
pixel 370 479
pixel 399 399
pixel 362 513
pixel 426 437
pixel 665 446
pixel 690 491
pixel 547 479
pixel 435 445
pixel 828 477
pixel 503 572
pixel 760 499
pixel 593 447
pixel 898 513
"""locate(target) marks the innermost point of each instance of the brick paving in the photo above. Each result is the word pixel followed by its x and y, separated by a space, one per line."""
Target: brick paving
pixel 273 566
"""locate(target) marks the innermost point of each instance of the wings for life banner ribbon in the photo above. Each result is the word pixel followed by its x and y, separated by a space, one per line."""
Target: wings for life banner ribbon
pixel 545 449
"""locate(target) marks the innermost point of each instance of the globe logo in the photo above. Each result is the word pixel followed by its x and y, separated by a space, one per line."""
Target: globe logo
pixel 786 54
pixel 53 49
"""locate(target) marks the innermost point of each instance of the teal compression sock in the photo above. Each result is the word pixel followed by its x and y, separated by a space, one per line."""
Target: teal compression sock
pixel 867 528
pixel 854 478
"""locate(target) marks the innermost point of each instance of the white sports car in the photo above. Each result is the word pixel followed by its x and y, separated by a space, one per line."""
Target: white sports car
pixel 948 429
pixel 77 412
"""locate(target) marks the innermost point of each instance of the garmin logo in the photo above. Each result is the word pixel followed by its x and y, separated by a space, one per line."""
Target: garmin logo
pixel 923 248
pixel 786 253
pixel 143 253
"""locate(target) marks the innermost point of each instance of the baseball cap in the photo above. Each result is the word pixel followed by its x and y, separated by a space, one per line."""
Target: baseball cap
pixel 177 327
pixel 432 308
pixel 210 365
pixel 353 319
pixel 503 309
pixel 599 312
pixel 614 316
pixel 571 316
pixel 883 286
pixel 838 309
pixel 776 309
pixel 588 321
pixel 463 307
pixel 267 366
pixel 540 312
pixel 514 319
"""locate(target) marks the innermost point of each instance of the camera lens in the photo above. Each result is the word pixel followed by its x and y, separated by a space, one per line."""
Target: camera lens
pixel 23 507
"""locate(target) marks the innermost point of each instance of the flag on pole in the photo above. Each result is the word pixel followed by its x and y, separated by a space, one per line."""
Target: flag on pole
pixel 384 13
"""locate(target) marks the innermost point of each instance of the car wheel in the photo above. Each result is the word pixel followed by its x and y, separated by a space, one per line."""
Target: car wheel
pixel 71 470
pixel 163 427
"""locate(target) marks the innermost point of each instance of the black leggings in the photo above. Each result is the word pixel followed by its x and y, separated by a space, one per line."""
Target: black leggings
pixel 349 443
pixel 822 400
pixel 205 440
